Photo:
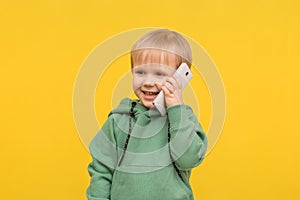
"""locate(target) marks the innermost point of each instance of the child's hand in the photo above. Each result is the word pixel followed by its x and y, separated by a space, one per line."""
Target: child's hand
pixel 172 91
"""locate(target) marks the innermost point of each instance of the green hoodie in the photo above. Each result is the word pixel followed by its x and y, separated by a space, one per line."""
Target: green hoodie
pixel 144 169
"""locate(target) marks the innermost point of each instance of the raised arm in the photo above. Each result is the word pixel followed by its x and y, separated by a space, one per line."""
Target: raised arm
pixel 188 141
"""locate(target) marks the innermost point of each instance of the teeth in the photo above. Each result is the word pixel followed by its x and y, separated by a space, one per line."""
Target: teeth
pixel 150 93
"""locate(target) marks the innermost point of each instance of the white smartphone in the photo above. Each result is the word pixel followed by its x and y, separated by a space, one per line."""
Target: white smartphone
pixel 184 74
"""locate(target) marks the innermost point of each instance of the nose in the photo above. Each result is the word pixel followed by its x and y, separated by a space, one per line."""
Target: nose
pixel 149 81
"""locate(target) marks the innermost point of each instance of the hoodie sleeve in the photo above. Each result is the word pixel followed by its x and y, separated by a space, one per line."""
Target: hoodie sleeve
pixel 188 141
pixel 101 169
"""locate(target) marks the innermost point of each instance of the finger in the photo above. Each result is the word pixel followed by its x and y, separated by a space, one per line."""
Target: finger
pixel 158 85
pixel 169 86
pixel 178 82
pixel 173 82
pixel 166 90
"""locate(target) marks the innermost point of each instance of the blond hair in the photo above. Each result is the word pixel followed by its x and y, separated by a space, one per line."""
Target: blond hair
pixel 165 44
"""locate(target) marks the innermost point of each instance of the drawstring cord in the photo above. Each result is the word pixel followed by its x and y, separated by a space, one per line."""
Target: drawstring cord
pixel 172 159
pixel 131 115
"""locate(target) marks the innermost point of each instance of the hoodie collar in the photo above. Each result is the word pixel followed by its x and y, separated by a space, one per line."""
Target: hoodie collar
pixel 142 115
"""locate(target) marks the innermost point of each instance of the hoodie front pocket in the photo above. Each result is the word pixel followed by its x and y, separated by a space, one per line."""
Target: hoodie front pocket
pixel 156 185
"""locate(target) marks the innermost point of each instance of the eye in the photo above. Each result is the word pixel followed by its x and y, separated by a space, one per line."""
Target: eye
pixel 159 74
pixel 140 72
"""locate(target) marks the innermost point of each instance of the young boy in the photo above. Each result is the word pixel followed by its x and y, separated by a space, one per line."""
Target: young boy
pixel 139 154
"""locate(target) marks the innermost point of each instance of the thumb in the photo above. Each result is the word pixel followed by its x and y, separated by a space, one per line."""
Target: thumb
pixel 159 86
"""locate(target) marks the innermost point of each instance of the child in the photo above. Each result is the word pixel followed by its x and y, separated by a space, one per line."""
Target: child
pixel 139 154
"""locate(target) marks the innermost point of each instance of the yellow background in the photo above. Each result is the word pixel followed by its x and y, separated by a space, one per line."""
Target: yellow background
pixel 255 45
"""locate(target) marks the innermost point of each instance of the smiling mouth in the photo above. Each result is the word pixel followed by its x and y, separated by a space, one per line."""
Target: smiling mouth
pixel 150 93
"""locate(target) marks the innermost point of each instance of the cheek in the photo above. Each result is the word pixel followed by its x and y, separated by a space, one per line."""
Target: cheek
pixel 161 80
pixel 136 82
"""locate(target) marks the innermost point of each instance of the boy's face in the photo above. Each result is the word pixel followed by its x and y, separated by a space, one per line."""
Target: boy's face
pixel 147 76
